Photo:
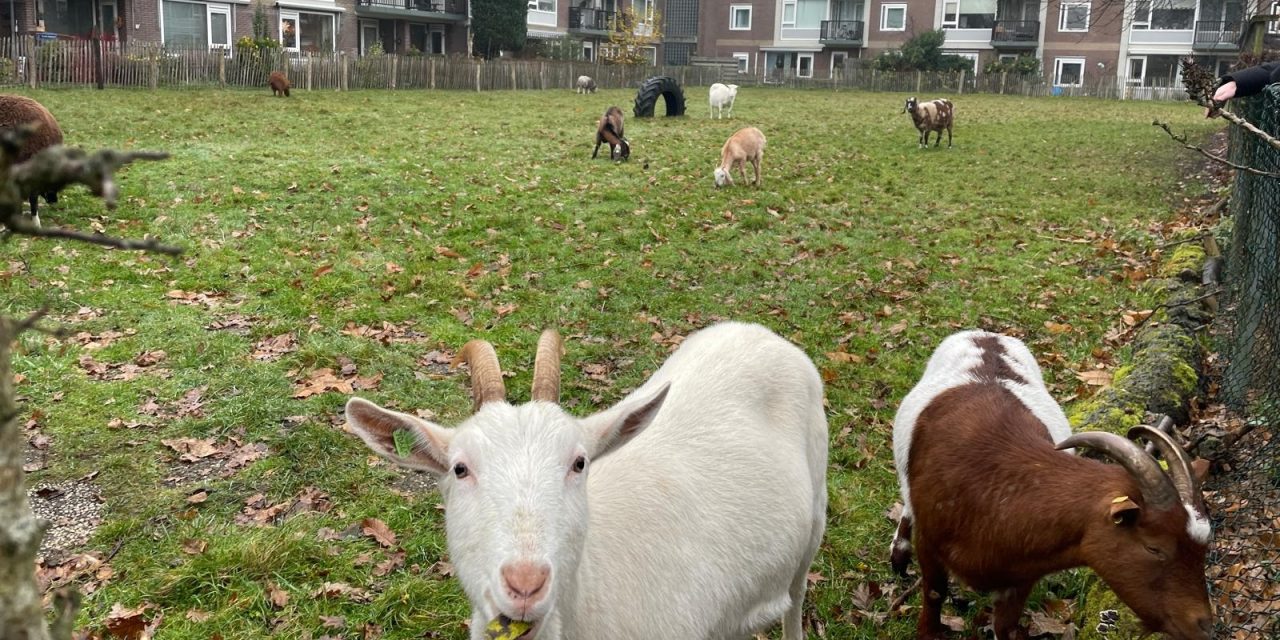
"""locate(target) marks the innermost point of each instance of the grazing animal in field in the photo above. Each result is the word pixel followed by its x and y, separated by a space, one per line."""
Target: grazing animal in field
pixel 690 510
pixel 934 115
pixel 745 145
pixel 610 130
pixel 721 96
pixel 279 84
pixel 586 85
pixel 19 110
pixel 994 499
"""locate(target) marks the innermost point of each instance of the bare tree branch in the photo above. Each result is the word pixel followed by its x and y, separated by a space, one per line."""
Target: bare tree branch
pixel 22 227
pixel 1182 140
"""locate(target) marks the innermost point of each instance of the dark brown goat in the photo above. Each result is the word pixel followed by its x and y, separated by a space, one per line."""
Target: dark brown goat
pixel 17 110
pixel 610 130
pixel 995 502
pixel 934 115
pixel 279 84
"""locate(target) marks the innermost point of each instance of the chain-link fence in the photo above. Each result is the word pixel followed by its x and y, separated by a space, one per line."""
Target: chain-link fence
pixel 1245 561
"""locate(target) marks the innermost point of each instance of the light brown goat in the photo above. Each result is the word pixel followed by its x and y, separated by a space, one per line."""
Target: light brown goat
pixel 279 84
pixel 994 501
pixel 934 115
pixel 745 145
pixel 610 130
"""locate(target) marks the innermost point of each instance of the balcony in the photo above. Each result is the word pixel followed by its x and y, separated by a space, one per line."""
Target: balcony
pixel 1214 35
pixel 592 21
pixel 1015 34
pixel 442 10
pixel 842 32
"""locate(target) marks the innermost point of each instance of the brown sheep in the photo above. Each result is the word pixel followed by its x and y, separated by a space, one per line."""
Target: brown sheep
pixel 279 84
pixel 610 130
pixel 18 110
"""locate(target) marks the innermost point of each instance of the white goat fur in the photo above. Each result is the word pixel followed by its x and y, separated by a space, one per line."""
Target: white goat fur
pixel 585 84
pixel 702 526
pixel 950 367
pixel 745 145
pixel 721 96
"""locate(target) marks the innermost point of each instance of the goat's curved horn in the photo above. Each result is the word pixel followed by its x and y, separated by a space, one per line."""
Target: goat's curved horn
pixel 486 374
pixel 1157 490
pixel 1179 463
pixel 546 367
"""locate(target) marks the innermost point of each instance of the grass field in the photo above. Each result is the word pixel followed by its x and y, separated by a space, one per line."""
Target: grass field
pixel 371 234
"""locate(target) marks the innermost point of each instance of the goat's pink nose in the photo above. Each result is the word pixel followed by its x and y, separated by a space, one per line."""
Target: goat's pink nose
pixel 526 582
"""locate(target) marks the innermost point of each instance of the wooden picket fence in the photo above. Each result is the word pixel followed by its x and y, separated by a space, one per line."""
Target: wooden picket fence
pixel 27 61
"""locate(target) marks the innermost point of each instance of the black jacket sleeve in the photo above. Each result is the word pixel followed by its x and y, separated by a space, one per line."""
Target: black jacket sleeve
pixel 1252 80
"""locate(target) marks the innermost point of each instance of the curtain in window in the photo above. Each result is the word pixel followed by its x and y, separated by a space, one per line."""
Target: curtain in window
pixel 185 25
pixel 315 32
pixel 977 14
pixel 809 13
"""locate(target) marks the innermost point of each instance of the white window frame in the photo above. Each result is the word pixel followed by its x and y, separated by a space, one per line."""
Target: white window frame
pixel 1274 25
pixel 1058 63
pixel 588 51
pixel 364 40
pixel 1064 11
pixel 1006 58
pixel 224 10
pixel 733 17
pixel 954 7
pixel 843 55
pixel 109 29
pixel 802 56
pixel 1128 75
pixel 1142 22
pixel 794 8
pixel 884 16
pixel 296 16
pixel 971 56
pixel 744 62
pixel 536 5
pixel 209 9
pixel 444 39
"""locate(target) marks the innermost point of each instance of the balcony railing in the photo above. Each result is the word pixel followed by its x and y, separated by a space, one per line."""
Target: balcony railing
pixel 844 31
pixel 430 6
pixel 1015 33
pixel 1214 35
pixel 590 19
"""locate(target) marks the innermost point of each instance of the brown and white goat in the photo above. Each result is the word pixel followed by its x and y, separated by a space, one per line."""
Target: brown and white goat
pixel 996 502
pixel 934 115
pixel 745 145
pixel 610 130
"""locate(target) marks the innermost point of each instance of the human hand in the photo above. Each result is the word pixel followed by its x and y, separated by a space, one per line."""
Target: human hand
pixel 1220 97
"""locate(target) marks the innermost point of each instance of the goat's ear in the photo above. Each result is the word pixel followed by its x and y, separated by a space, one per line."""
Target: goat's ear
pixel 1200 469
pixel 419 445
pixel 1124 512
pixel 618 427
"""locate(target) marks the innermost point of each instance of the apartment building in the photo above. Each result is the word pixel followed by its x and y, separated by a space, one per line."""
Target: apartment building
pixel 591 23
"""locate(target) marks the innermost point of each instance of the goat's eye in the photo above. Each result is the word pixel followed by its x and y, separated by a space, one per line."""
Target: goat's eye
pixel 579 464
pixel 1155 552
pixel 461 471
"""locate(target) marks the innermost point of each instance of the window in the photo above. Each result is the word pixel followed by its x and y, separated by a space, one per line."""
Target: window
pixel 739 17
pixel 369 35
pixel 418 37
pixel 195 25
pixel 588 50
pixel 542 5
pixel 1075 16
pixel 306 32
pixel 1162 71
pixel 1137 70
pixel 744 62
pixel 803 14
pixel 1068 72
pixel 838 59
pixel 1274 26
pixel 789 13
pixel 973 62
pixel 1142 14
pixel 804 65
pixel 109 19
pixel 968 14
pixel 893 17
pixel 1008 58
pixel 1170 14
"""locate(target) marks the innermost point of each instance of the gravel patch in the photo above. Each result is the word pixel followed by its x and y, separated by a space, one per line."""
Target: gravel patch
pixel 74 510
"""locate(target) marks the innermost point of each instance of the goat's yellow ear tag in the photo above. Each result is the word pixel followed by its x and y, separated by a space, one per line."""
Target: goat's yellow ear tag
pixel 1119 499
pixel 504 628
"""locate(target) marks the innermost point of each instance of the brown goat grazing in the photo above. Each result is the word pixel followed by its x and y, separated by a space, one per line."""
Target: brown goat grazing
pixel 18 110
pixel 995 502
pixel 745 145
pixel 934 115
pixel 279 84
pixel 610 130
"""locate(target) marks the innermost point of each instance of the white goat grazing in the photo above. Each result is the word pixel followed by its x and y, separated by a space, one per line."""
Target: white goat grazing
pixel 586 85
pixel 745 145
pixel 721 96
pixel 706 488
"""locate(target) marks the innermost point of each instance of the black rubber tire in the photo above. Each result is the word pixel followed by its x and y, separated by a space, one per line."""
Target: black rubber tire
pixel 665 86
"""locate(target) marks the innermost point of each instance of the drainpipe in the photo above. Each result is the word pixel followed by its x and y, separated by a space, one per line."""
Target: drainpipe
pixel 467 25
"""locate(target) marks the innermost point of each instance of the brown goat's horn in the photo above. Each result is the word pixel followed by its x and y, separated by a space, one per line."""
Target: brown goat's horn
pixel 486 374
pixel 1156 488
pixel 546 367
pixel 1179 462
